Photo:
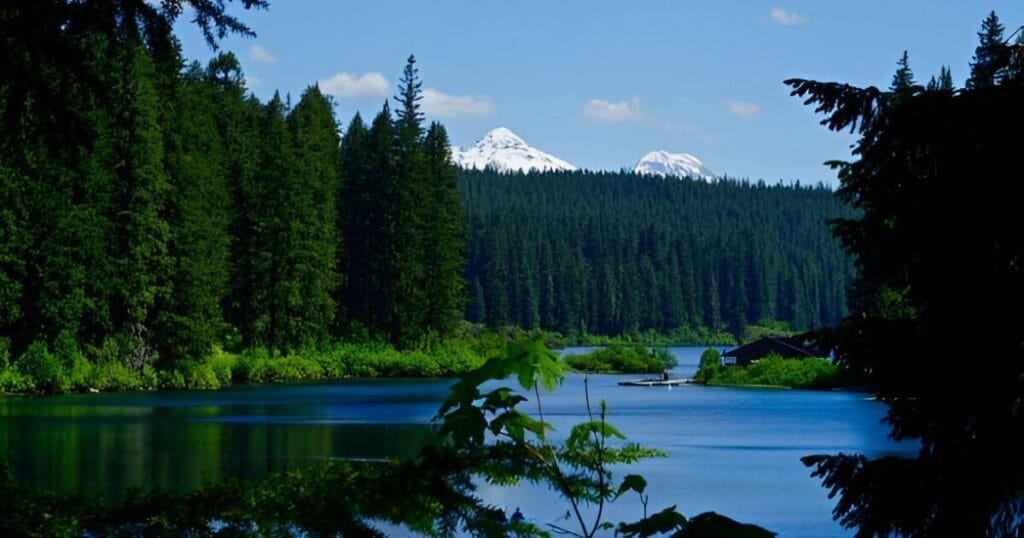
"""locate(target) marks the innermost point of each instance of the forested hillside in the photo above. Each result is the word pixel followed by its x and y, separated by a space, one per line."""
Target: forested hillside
pixel 160 211
pixel 612 253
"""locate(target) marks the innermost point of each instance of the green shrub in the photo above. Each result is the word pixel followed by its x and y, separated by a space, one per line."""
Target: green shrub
pixel 261 367
pixel 710 357
pixel 111 375
pixel 213 371
pixel 12 380
pixel 772 370
pixel 76 367
pixel 69 367
pixel 620 358
pixel 710 365
pixel 43 368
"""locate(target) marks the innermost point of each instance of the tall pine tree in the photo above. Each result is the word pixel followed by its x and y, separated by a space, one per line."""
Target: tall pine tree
pixel 190 317
pixel 143 263
pixel 267 197
pixel 904 77
pixel 445 237
pixel 308 278
pixel 990 55
pixel 408 294
pixel 944 82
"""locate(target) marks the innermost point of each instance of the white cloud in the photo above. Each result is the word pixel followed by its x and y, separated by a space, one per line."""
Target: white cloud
pixel 262 55
pixel 742 110
pixel 347 85
pixel 788 18
pixel 441 105
pixel 613 112
pixel 253 82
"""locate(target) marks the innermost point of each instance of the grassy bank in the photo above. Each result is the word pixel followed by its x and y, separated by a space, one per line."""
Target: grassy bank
pixel 65 366
pixel 771 371
pixel 52 370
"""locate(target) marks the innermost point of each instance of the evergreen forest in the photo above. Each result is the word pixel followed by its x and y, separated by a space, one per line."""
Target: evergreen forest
pixel 616 253
pixel 158 212
pixel 162 227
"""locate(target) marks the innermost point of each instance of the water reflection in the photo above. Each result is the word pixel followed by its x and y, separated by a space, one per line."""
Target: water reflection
pixel 732 450
pixel 108 443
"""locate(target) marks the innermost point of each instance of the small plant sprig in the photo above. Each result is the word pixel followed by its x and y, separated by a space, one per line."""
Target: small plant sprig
pixel 507 446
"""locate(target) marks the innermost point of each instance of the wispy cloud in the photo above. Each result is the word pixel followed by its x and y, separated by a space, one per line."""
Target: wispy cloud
pixel 688 128
pixel 262 55
pixel 348 85
pixel 253 82
pixel 788 18
pixel 613 111
pixel 441 105
pixel 741 109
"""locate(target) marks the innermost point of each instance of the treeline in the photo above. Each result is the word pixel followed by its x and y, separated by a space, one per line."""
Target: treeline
pixel 615 253
pixel 153 211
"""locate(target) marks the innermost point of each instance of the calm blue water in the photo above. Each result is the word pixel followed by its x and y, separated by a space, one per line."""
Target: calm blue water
pixel 735 451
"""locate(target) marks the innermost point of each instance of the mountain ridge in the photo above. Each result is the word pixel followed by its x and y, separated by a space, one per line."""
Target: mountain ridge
pixel 502 150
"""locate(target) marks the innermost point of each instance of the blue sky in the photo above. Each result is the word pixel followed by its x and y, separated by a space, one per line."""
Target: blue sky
pixel 600 83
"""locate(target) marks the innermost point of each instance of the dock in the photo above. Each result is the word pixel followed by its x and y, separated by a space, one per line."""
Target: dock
pixel 656 382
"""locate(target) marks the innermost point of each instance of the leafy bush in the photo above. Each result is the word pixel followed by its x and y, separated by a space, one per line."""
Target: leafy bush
pixel 76 368
pixel 261 366
pixel 620 358
pixel 46 371
pixel 772 370
pixel 70 368
pixel 710 357
pixel 116 375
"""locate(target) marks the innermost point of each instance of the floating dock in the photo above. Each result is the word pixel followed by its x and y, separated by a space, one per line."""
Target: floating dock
pixel 656 382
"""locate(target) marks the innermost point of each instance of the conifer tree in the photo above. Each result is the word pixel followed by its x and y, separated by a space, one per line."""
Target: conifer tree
pixel 445 237
pixel 358 222
pixel 267 249
pixel 904 77
pixel 307 279
pixel 990 56
pixel 1015 68
pixel 409 117
pixel 944 82
pixel 142 186
pixel 190 317
pixel 408 294
pixel 13 246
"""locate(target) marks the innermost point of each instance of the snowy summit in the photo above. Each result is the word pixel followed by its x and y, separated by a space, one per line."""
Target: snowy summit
pixel 503 151
pixel 663 163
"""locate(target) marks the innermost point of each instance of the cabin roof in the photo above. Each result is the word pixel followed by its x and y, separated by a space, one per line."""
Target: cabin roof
pixel 785 346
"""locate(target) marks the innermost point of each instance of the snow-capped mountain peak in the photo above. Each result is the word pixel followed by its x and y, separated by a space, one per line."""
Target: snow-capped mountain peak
pixel 502 137
pixel 504 151
pixel 663 163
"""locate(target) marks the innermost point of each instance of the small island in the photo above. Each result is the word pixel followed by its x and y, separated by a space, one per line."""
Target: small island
pixel 618 358
pixel 771 361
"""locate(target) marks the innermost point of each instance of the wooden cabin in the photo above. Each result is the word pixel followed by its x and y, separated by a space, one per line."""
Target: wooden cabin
pixel 784 346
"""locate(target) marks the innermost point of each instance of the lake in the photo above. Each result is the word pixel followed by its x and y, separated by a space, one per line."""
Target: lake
pixel 731 450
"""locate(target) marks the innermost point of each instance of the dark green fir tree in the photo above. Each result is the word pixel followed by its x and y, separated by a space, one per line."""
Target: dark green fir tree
pixel 990 55
pixel 904 78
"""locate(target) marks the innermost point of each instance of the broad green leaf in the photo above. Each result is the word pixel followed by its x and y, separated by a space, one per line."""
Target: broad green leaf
pixel 632 482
